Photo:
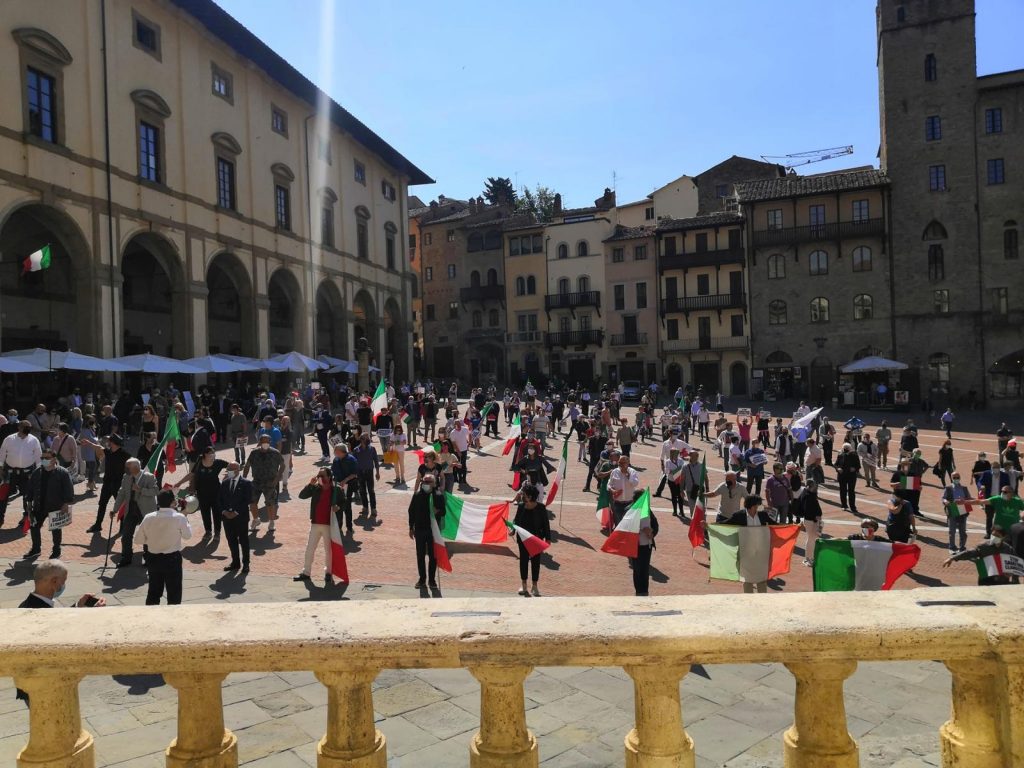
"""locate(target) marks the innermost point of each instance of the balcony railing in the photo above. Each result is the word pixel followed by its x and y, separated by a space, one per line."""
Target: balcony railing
pixel 839 230
pixel 705 342
pixel 523 337
pixel 709 301
pixel 574 338
pixel 482 293
pixel 572 300
pixel 703 259
pixel 628 339
pixel 975 631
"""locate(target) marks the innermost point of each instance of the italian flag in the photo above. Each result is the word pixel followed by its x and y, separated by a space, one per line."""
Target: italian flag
pixel 487 409
pixel 910 483
pixel 696 532
pixel 419 451
pixel 338 567
pixel 440 549
pixel 168 445
pixel 534 545
pixel 406 415
pixel 625 539
pixel 959 508
pixel 37 261
pixel 514 433
pixel 1000 565
pixel 604 505
pixel 380 400
pixel 841 565
pixel 563 467
pixel 474 523
pixel 751 554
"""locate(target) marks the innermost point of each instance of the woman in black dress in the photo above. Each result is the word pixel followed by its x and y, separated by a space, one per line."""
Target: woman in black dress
pixel 205 481
pixel 531 516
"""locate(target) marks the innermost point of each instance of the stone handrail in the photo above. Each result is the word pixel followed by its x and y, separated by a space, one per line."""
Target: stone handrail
pixel 977 632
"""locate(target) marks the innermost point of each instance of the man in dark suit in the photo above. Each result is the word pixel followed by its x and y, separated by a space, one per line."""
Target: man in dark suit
pixel 750 516
pixel 235 496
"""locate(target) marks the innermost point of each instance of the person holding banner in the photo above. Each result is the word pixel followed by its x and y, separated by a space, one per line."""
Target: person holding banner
pixel 50 493
pixel 996 560
pixel 955 497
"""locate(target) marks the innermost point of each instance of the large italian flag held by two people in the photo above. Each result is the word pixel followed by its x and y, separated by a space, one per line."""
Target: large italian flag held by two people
pixel 841 565
pixel 696 532
pixel 563 468
pixel 167 446
pixel 339 566
pixel 625 539
pixel 751 554
pixel 514 433
pixel 380 400
pixel 474 523
pixel 533 545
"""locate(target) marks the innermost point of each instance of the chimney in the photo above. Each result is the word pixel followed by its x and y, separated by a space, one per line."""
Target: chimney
pixel 440 199
pixel 479 203
pixel 472 205
pixel 558 204
pixel 606 201
pixel 433 204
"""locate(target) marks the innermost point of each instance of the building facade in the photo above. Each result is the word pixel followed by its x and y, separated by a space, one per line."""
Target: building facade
pixel 526 267
pixel 630 306
pixel 235 216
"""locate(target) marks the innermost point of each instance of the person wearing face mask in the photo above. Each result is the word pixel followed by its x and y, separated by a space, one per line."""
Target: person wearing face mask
pixel 426 502
pixel 779 492
pixel 138 493
pixel 114 459
pixel 267 466
pixel 235 498
pixel 531 515
pixel 204 479
pixel 848 467
pixel 730 495
pixel 900 525
pixel 19 456
pixel 623 484
pixel 533 468
pixel 49 490
pixel 810 507
pixel 868 529
pixel 147 448
pixel 996 547
pixel 162 534
pixel 952 496
pixel 1004 509
pixel 324 501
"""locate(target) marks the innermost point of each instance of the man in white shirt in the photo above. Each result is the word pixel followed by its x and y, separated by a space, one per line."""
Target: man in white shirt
pixel 814 459
pixel 622 485
pixel 672 444
pixel 19 456
pixel 163 532
pixel 459 436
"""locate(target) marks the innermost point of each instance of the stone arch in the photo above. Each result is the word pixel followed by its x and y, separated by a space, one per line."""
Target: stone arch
pixel 331 337
pixel 934 231
pixel 153 297
pixel 674 376
pixel 778 357
pixel 151 100
pixel 230 308
pixel 738 378
pixel 284 293
pixel 396 339
pixel 364 319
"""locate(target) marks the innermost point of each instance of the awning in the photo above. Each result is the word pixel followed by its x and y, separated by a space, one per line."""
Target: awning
pixel 223 364
pixel 54 359
pixel 149 363
pixel 873 365
pixel 293 361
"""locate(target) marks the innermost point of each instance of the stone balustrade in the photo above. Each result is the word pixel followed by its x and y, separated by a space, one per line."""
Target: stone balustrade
pixel 977 632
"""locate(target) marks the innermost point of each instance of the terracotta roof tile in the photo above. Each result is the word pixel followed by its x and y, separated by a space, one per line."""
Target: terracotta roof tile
pixel 801 186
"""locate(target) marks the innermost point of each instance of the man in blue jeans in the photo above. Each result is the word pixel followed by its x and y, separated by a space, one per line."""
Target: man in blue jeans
pixel 369 465
pixel 953 497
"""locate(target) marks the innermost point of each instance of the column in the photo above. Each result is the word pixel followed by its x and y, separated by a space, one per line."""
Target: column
pixel 192 333
pixel 1012 693
pixel 56 738
pixel 818 737
pixel 503 740
pixel 971 736
pixel 262 336
pixel 203 741
pixel 658 739
pixel 352 740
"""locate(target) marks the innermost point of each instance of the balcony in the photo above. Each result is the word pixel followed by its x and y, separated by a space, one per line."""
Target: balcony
pixel 574 338
pixel 482 293
pixel 628 339
pixel 704 259
pixel 840 230
pixel 523 337
pixel 709 301
pixel 572 300
pixel 975 631
pixel 711 343
pixel 483 333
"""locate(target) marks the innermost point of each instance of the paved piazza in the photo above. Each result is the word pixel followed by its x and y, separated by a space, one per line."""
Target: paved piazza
pixel 736 714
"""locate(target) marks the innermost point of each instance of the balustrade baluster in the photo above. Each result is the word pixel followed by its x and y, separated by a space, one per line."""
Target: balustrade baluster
pixel 203 741
pixel 818 737
pixel 1011 691
pixel 503 740
pixel 658 739
pixel 56 738
pixel 352 740
pixel 971 737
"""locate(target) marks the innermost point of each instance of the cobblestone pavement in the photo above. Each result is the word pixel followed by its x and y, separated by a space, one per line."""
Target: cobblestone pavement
pixel 736 714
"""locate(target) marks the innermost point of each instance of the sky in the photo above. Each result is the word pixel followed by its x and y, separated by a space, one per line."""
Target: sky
pixel 579 96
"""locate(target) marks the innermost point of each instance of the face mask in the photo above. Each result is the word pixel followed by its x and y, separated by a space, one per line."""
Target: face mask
pixel 997 540
pixel 264 447
pixel 1007 497
pixel 894 500
pixel 60 591
pixel 427 488
pixel 232 474
pixel 47 463
pixel 865 532
pixel 956 481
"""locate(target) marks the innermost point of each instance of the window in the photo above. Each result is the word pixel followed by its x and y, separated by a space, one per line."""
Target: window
pixel 618 255
pixel 279 121
pixel 428 274
pixel 938 368
pixel 932 128
pixel 901 14
pixel 862 259
pixel 582 249
pixel 816 217
pixel 994 120
pixel 582 283
pixel 649 213
pixel 563 286
pixel 1000 301
pixel 145 35
pixel 492 318
pixel 225 184
pixel 453 310
pixel 282 207
pixel 428 238
pixel 360 172
pixel 451 271
pixel 563 251
pixel 430 311
pixel 584 322
pixel 995 171
pixel 934 231
pixel 735 239
pixel 222 84
pixel 818 263
pixel 819 310
pixel 703 285
pixel 736 325
pixel 862 307
pixel 388 190
pixel 672 329
pixel 538 244
pixel 389 250
pixel 149 152
pixel 702 242
pixel 1010 250
pixel 565 324
pixel 475 242
pixel 775 218
pixel 861 211
pixel 936 263
pixel 531 285
pixel 941 302
pixel 670 246
pixel 520 286
pixel 42 105
pixel 937 178
pixel 721 190
pixel 478 319
pixel 327 226
pixel 639 253
pixel 513 246
pixel 362 238
pixel 931 68
pixel 777 312
pixel 776 266
pixel 474 279
pixel 450 235
pixel 641 295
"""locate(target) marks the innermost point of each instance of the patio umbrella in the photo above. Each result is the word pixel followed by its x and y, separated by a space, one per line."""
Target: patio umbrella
pixel 294 361
pixel 331 361
pixel 149 363
pixel 873 364
pixel 345 367
pixel 53 359
pixel 221 364
pixel 17 365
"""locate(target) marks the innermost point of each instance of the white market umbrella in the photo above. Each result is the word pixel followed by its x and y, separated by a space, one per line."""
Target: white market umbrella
pixel 149 363
pixel 295 362
pixel 221 364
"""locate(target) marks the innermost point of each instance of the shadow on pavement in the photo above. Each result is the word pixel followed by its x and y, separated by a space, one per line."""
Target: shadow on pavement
pixel 558 536
pixel 129 577
pixel 19 572
pixel 455 547
pixel 316 592
pixel 231 583
pixel 139 685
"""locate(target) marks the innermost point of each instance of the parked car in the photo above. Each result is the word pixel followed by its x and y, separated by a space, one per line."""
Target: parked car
pixel 631 390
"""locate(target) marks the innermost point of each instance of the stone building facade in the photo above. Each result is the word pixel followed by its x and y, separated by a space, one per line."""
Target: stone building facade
pixel 630 306
pixel 526 282
pixel 243 211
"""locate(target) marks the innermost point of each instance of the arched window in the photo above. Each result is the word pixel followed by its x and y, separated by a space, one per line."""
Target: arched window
pixel 934 231
pixel 1010 247
pixel 778 357
pixel 776 266
pixel 563 285
pixel 863 307
pixel 818 262
pixel 492 318
pixel 492 240
pixel 861 259
pixel 531 285
pixel 476 242
pixel 492 276
pixel 931 68
pixel 478 319
pixel 520 286
pixel 582 249
pixel 563 251
pixel 936 262
pixel 938 368
pixel 583 284
pixel 474 279
pixel 819 310
pixel 777 312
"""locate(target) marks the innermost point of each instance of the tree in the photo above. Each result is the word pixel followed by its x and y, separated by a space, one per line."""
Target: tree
pixel 499 190
pixel 540 202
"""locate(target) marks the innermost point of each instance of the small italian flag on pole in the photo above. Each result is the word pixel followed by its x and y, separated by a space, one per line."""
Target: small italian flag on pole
pixel 910 483
pixel 474 523
pixel 440 550
pixel 696 532
pixel 380 400
pixel 563 467
pixel 514 433
pixel 37 261
pixel 167 445
pixel 625 539
pixel 534 545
